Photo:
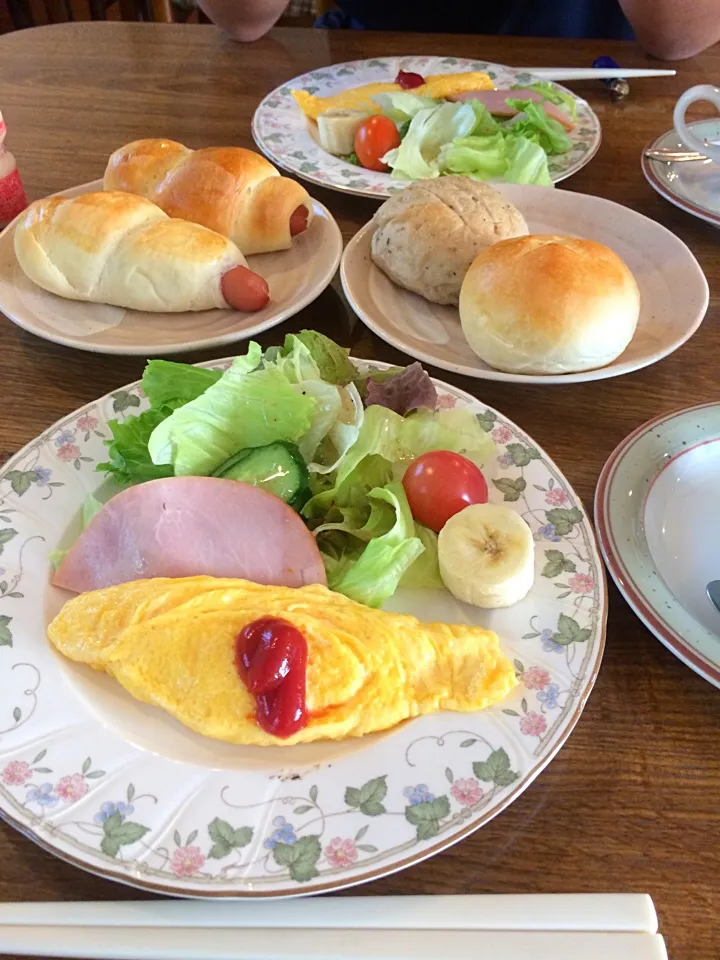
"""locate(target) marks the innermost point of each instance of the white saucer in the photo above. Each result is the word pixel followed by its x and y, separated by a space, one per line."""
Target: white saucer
pixel 693 186
pixel 659 528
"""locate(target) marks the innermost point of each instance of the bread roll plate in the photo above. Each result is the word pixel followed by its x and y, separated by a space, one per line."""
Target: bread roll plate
pixel 295 277
pixel 673 289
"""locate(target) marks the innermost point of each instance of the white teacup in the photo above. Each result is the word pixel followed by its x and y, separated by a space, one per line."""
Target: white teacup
pixel 702 92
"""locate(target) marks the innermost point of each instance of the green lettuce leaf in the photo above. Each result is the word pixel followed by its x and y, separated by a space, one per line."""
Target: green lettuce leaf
pixel 485 122
pixel 294 360
pixel 425 571
pixel 328 406
pixel 402 106
pixel 247 407
pixel 332 499
pixel 129 459
pixel 339 410
pixel 390 439
pixel 165 382
pixel 375 575
pixel 343 431
pixel 398 439
pixel 527 163
pixel 550 92
pixel 346 509
pixel 429 130
pixel 332 361
pixel 480 157
pixel 537 125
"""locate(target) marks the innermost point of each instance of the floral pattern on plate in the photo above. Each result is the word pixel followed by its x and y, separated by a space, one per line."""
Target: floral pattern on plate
pixel 122 790
pixel 280 130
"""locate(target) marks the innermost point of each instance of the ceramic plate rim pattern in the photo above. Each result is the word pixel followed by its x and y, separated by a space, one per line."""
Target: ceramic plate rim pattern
pixel 277 111
pixel 650 170
pixel 619 558
pixel 203 343
pixel 614 369
pixel 567 532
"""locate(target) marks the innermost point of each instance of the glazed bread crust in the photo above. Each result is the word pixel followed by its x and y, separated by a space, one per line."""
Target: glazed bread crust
pixel 120 249
pixel 233 191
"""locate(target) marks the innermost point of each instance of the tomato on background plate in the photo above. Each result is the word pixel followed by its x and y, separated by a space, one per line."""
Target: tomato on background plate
pixel 373 138
pixel 440 484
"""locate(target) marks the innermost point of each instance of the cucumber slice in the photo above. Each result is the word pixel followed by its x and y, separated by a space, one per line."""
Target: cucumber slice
pixel 278 467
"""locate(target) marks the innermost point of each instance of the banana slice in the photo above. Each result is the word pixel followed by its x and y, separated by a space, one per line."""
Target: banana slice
pixel 487 556
pixel 337 130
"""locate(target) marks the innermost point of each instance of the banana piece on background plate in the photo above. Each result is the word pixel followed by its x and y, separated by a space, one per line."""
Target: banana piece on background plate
pixel 487 556
pixel 336 129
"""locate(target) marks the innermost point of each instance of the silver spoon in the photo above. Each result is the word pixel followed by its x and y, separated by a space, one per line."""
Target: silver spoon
pixel 713 592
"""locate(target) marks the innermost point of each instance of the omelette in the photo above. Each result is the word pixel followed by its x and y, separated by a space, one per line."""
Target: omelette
pixel 172 643
pixel 437 86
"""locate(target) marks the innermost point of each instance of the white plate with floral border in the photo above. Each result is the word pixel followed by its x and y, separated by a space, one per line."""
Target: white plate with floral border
pixel 281 130
pixel 296 277
pixel 123 790
pixel 659 528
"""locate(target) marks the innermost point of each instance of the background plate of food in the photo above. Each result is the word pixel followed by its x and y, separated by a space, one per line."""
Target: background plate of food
pixel 446 115
pixel 522 284
pixel 151 260
pixel 197 794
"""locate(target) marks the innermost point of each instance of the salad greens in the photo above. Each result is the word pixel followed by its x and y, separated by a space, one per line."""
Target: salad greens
pixel 375 574
pixel 539 127
pixel 548 91
pixel 302 403
pixel 464 138
pixel 245 408
pixel 403 106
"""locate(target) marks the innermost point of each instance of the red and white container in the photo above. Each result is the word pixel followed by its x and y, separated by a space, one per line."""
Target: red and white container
pixel 12 193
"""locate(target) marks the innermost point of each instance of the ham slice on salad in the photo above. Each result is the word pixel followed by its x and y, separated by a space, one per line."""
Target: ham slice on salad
pixel 192 526
pixel 496 102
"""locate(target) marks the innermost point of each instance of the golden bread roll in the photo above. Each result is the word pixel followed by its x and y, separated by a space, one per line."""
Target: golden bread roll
pixel 548 305
pixel 427 236
pixel 119 249
pixel 233 191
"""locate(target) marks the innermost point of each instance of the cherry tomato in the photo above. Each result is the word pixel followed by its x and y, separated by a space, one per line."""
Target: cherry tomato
pixel 373 138
pixel 408 80
pixel 440 484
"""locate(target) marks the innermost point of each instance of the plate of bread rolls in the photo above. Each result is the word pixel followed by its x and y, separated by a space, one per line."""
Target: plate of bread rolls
pixel 522 283
pixel 173 250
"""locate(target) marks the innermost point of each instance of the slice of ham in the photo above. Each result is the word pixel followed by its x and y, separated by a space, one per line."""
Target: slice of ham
pixel 192 526
pixel 496 102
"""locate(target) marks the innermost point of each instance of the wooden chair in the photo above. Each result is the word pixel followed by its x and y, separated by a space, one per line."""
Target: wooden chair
pixel 32 13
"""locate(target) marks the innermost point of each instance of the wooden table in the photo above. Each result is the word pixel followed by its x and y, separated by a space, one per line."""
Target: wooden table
pixel 631 802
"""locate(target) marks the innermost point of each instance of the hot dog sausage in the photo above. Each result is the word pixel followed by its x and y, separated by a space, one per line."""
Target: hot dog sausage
pixel 244 290
pixel 298 221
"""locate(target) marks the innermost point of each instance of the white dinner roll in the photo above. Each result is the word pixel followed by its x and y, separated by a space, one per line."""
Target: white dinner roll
pixel 427 235
pixel 548 305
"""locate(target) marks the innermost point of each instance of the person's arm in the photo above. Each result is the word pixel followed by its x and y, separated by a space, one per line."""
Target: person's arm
pixel 244 20
pixel 674 29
